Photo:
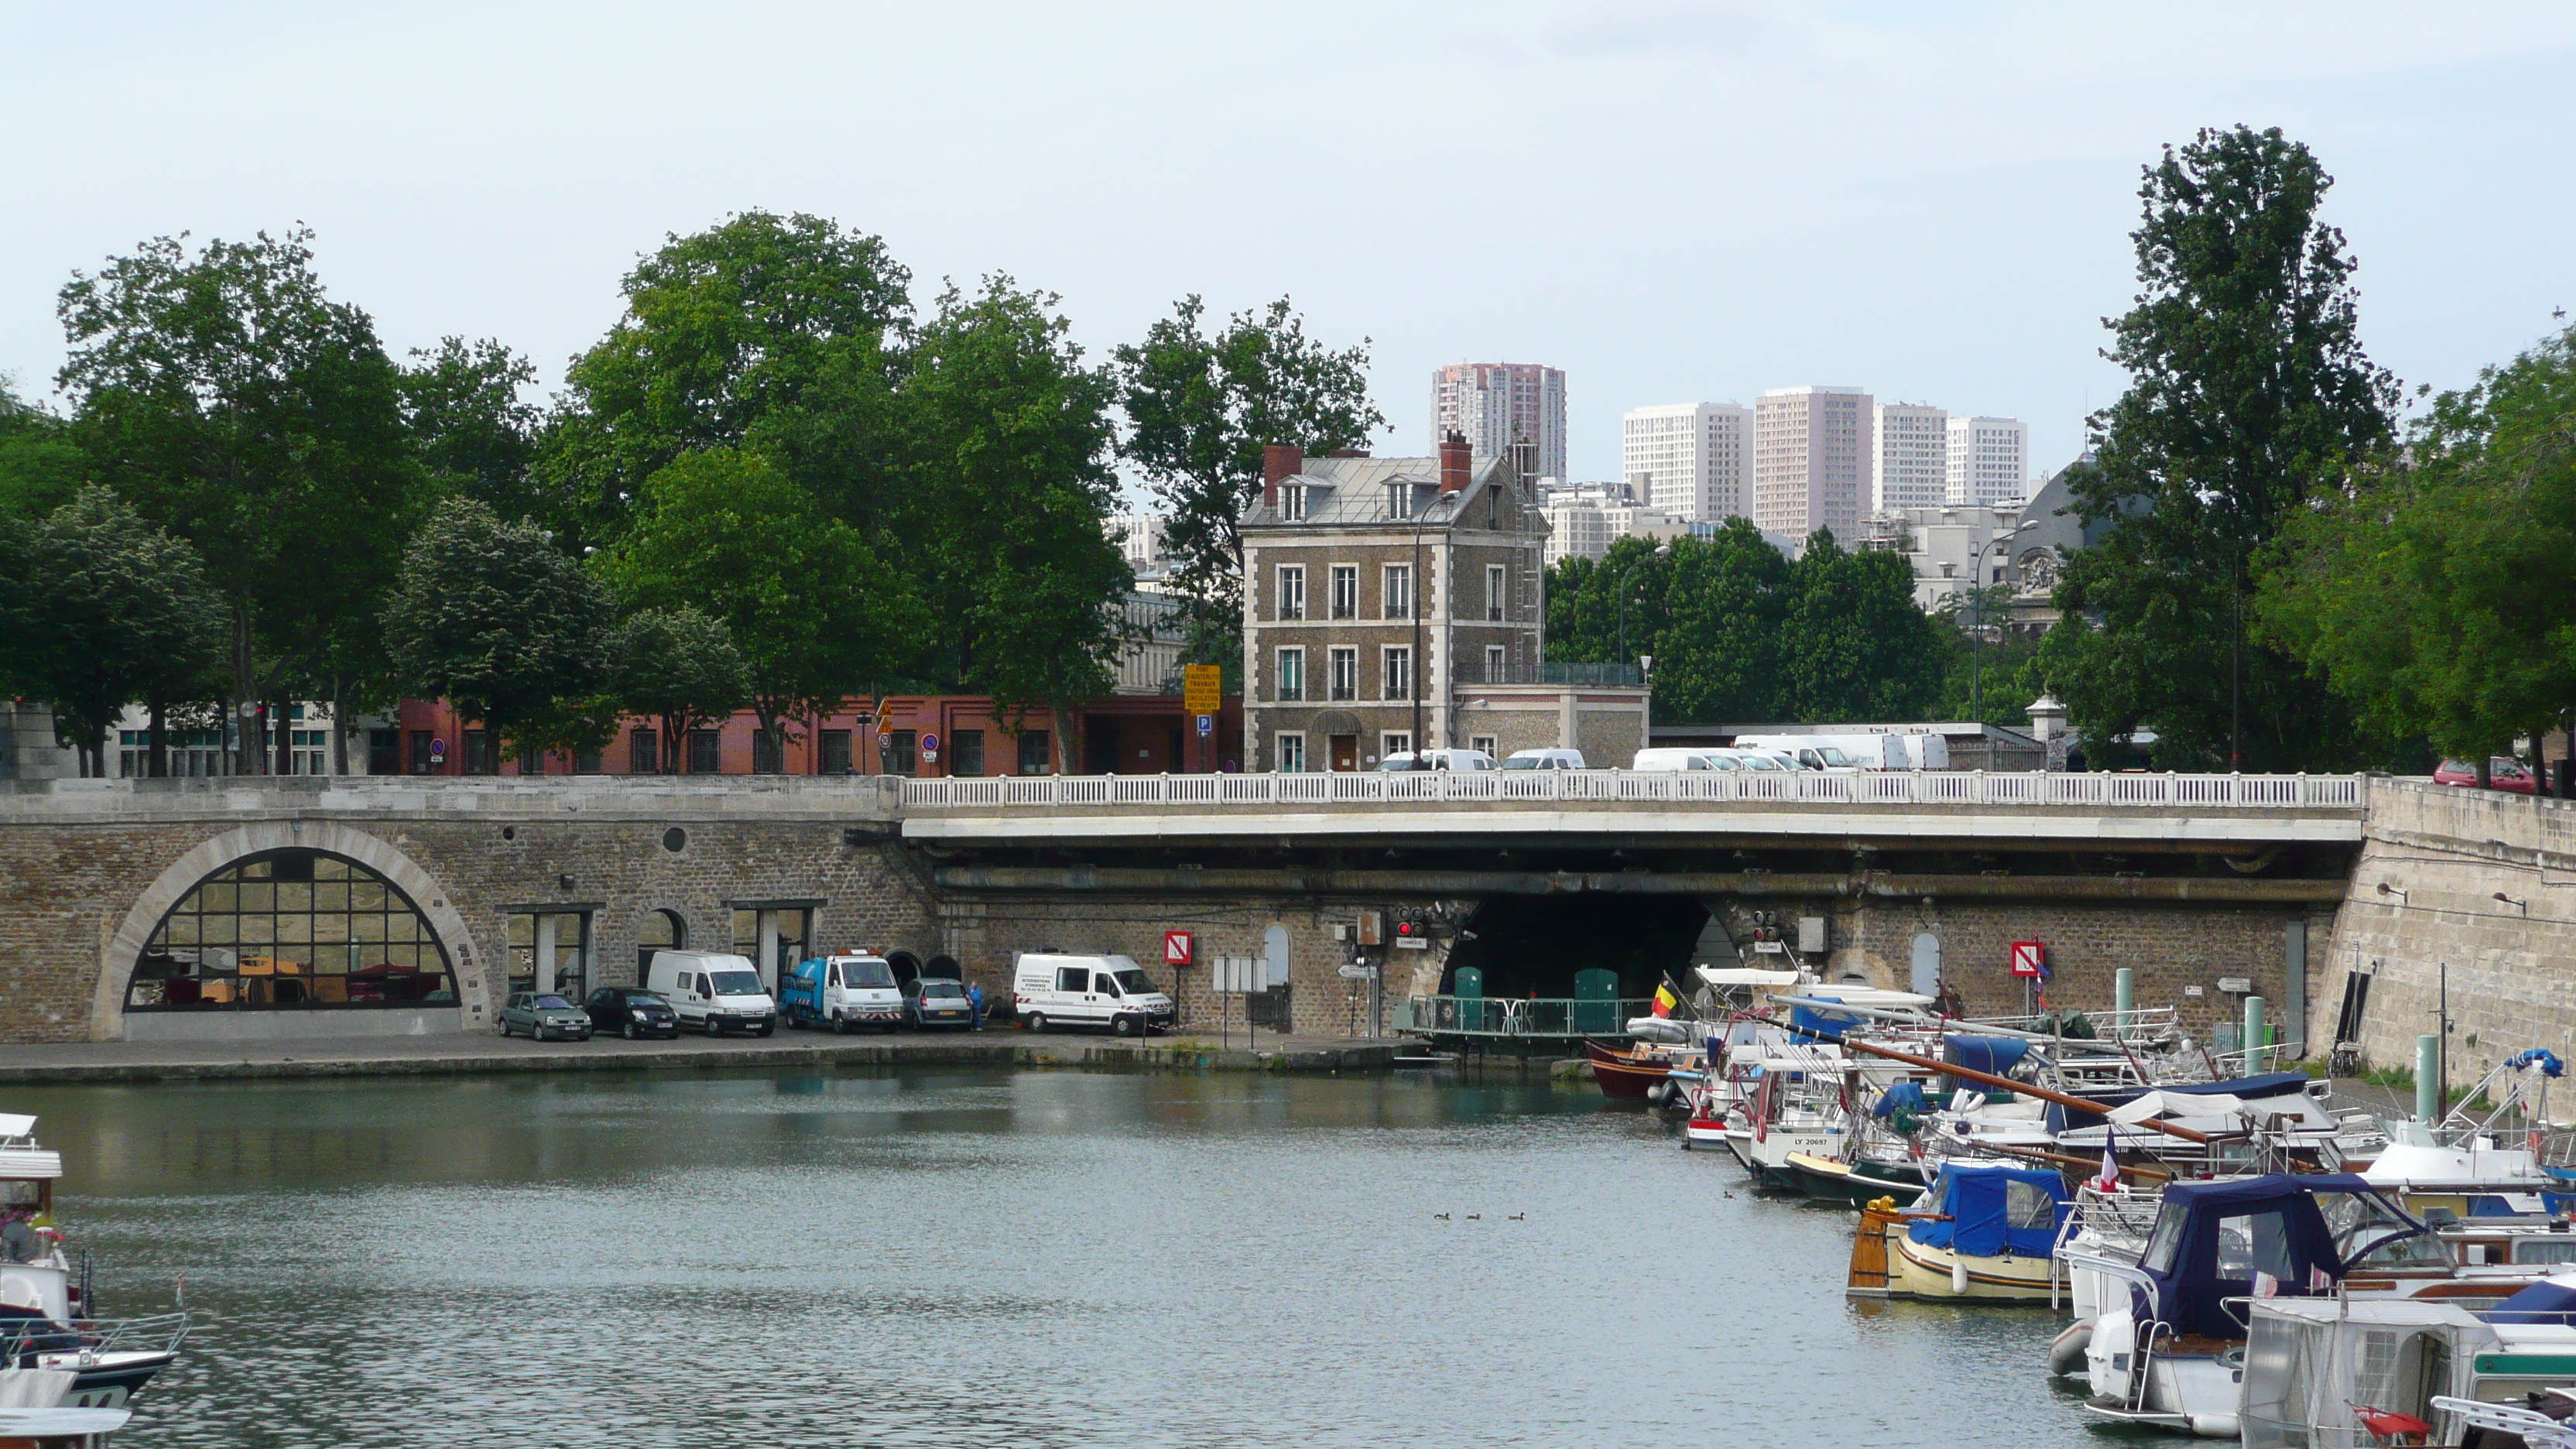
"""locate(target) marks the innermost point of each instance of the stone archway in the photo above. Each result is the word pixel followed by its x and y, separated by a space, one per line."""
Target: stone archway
pixel 478 992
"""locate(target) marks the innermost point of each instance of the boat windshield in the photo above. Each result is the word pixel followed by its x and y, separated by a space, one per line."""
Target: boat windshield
pixel 737 983
pixel 2367 1230
pixel 1134 983
pixel 2166 1241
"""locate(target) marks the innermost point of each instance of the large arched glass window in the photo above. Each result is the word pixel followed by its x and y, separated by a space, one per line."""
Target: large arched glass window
pixel 292 929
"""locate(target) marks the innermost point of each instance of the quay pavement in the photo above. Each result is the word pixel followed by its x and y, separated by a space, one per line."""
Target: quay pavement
pixel 467 1053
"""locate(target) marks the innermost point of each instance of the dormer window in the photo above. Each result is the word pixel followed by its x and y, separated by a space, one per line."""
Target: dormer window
pixel 1292 502
pixel 1399 500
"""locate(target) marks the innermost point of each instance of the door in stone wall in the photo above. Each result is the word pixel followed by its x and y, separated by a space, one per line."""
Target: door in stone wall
pixel 1927 965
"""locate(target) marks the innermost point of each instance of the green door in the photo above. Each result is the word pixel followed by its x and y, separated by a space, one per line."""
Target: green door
pixel 1596 1002
pixel 1468 986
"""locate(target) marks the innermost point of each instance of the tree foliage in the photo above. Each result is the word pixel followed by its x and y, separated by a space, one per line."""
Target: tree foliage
pixel 1009 462
pixel 40 466
pixel 2249 392
pixel 814 613
pixel 2437 596
pixel 226 397
pixel 1741 635
pixel 477 437
pixel 107 609
pixel 679 668
pixel 495 619
pixel 1201 407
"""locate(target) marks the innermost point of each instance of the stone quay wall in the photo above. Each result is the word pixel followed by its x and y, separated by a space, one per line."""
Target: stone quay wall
pixel 2480 883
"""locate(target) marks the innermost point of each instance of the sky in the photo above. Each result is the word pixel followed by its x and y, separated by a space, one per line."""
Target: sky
pixel 1673 202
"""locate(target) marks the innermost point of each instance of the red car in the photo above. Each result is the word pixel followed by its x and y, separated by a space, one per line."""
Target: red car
pixel 2502 774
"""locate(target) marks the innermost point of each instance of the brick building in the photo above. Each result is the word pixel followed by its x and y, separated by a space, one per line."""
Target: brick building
pixel 1390 602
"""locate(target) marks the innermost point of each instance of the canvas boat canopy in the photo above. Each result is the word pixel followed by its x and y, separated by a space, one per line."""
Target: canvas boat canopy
pixel 2259 1237
pixel 1993 1212
pixel 1745 976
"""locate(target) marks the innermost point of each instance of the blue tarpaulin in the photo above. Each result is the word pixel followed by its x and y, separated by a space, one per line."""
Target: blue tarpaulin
pixel 2550 1065
pixel 1993 1212
pixel 1903 1097
pixel 2551 1300
pixel 2211 1238
pixel 1996 1055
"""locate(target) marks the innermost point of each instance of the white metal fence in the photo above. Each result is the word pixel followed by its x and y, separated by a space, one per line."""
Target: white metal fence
pixel 1894 787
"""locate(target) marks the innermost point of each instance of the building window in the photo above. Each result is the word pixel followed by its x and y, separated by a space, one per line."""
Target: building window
pixel 1395 742
pixel 550 952
pixel 706 752
pixel 966 753
pixel 1397 671
pixel 1346 591
pixel 1489 744
pixel 1494 592
pixel 900 755
pixel 423 758
pixel 307 745
pixel 384 752
pixel 832 753
pixel 1399 591
pixel 1399 500
pixel 1292 592
pixel 1034 748
pixel 1345 664
pixel 643 752
pixel 585 762
pixel 478 752
pixel 294 928
pixel 1497 664
pixel 768 752
pixel 1292 674
pixel 1292 502
pixel 1292 754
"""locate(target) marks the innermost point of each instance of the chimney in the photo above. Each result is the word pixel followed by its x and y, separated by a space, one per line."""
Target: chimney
pixel 1279 461
pixel 1455 463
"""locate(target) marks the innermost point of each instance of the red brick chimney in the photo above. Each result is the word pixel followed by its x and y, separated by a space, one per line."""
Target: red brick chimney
pixel 1279 461
pixel 1455 463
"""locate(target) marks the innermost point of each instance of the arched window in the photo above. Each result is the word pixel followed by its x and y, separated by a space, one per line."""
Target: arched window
pixel 658 931
pixel 292 929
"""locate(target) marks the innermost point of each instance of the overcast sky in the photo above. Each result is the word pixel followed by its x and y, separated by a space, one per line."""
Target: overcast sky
pixel 1672 202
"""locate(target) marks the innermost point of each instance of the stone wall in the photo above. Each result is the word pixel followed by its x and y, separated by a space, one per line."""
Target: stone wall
pixel 2446 856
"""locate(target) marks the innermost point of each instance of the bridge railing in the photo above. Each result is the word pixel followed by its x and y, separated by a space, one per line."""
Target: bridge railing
pixel 1889 787
pixel 1510 1016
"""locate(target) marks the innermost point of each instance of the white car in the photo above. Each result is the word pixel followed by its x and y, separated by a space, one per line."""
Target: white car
pixel 1545 760
pixel 1438 760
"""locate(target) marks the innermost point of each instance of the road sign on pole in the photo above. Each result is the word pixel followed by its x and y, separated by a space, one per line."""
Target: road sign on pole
pixel 2029 958
pixel 1176 948
pixel 1202 687
pixel 1207 725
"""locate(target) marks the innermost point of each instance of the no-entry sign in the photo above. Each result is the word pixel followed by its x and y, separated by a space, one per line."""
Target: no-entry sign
pixel 1176 948
pixel 2029 958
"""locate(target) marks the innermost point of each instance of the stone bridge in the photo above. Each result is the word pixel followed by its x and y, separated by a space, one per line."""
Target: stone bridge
pixel 2209 885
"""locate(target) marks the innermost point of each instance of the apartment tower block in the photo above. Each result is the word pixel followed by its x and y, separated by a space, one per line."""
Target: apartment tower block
pixel 1812 460
pixel 1692 461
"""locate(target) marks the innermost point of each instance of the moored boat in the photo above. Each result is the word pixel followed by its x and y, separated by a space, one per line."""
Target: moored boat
pixel 1981 1232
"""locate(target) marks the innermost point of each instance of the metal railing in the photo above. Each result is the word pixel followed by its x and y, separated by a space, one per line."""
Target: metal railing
pixel 1802 787
pixel 1509 1016
pixel 1553 671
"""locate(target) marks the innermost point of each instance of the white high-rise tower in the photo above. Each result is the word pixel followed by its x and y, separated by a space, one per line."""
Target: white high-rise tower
pixel 1909 456
pixel 1988 460
pixel 1692 461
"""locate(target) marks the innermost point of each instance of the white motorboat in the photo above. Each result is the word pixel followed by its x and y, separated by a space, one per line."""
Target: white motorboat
pixel 47 1320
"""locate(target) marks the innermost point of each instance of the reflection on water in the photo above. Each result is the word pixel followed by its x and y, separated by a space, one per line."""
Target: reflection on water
pixel 968 1258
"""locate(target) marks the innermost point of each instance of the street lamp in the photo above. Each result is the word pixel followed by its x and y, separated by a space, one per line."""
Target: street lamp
pixel 1662 550
pixel 1977 640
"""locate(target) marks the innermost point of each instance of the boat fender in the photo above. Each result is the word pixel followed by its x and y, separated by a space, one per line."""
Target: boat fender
pixel 2066 1351
pixel 1959 1276
pixel 1656 1092
pixel 2214 1426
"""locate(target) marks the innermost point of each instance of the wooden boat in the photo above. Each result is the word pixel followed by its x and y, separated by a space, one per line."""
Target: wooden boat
pixel 1984 1234
pixel 1626 1075
pixel 1829 1179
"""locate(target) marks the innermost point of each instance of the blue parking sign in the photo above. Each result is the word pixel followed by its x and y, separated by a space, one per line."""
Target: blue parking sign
pixel 1207 725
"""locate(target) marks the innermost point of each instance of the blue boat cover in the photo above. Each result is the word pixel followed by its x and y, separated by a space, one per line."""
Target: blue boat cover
pixel 2551 1300
pixel 2269 1084
pixel 2550 1065
pixel 1995 1054
pixel 1823 1021
pixel 2272 1225
pixel 1993 1211
pixel 1903 1097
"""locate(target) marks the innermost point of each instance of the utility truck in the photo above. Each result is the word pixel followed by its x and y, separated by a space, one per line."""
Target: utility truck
pixel 844 992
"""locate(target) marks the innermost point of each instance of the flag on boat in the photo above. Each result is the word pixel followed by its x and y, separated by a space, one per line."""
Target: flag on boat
pixel 2110 1158
pixel 1665 1001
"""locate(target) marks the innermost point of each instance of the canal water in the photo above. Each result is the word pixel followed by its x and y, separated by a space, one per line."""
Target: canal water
pixel 972 1258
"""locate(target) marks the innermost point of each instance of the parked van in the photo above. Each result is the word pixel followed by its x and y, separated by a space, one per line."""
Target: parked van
pixel 1546 760
pixel 1757 761
pixel 714 991
pixel 1438 760
pixel 1672 759
pixel 1111 991
pixel 1813 752
pixel 843 992
pixel 1912 750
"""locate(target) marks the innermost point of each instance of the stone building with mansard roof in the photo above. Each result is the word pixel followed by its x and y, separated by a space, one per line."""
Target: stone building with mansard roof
pixel 1396 602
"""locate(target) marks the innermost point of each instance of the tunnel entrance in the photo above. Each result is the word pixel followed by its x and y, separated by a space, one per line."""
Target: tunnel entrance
pixel 1533 945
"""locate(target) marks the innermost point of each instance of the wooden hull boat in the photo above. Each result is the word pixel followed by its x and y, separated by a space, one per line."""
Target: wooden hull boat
pixel 1922 1271
pixel 1831 1180
pixel 1624 1075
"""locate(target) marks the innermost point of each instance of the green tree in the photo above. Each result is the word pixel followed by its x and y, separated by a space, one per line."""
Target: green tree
pixel 816 615
pixel 495 619
pixel 113 610
pixel 40 466
pixel 1200 408
pixel 2248 392
pixel 1990 680
pixel 476 435
pixel 1854 645
pixel 1009 445
pixel 679 668
pixel 764 330
pixel 232 402
pixel 2437 596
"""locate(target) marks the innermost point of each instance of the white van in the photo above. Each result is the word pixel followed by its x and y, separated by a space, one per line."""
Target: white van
pixel 1546 760
pixel 714 991
pixel 1108 991
pixel 1671 759
pixel 1911 750
pixel 1813 752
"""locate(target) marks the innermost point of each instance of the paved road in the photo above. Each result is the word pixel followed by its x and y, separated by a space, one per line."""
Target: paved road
pixel 478 1052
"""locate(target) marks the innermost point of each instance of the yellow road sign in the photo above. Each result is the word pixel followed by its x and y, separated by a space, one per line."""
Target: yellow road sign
pixel 1202 685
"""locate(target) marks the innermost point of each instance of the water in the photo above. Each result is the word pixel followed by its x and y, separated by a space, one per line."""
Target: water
pixel 993 1258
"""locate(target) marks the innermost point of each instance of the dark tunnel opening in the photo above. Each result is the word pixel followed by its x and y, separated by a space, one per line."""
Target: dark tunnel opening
pixel 1533 945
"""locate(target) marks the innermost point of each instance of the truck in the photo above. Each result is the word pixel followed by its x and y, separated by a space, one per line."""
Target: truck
pixel 844 991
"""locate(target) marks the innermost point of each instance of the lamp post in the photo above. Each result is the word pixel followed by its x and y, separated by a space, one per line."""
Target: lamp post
pixel 1977 640
pixel 1662 550
pixel 1413 605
